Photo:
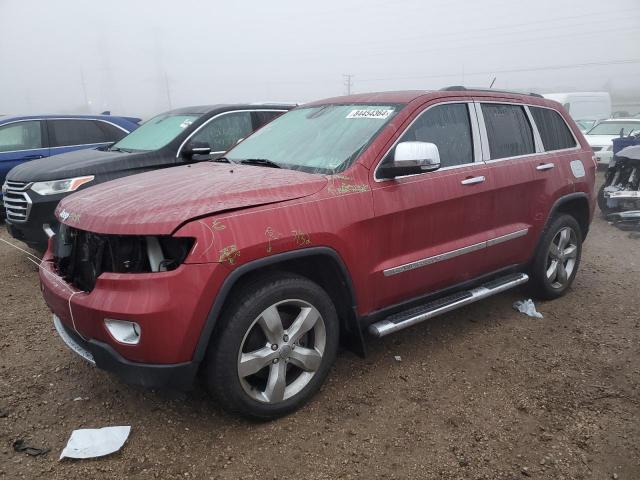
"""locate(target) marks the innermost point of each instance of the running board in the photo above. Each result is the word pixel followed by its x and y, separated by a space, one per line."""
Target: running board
pixel 418 314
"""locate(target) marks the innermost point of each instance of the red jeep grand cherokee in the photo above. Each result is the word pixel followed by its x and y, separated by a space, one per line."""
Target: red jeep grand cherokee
pixel 367 213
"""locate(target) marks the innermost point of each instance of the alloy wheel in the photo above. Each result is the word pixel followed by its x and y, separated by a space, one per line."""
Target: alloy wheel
pixel 561 258
pixel 281 351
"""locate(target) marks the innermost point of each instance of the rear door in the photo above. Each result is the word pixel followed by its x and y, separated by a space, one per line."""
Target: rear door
pixel 21 141
pixel 511 148
pixel 431 228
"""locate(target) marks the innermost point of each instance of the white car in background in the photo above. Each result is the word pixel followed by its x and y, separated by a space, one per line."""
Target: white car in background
pixel 601 136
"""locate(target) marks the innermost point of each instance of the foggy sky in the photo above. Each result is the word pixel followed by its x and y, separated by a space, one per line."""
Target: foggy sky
pixel 143 57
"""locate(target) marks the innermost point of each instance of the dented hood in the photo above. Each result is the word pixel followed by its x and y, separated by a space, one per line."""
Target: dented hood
pixel 158 202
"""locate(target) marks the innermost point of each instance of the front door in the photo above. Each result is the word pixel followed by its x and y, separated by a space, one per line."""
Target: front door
pixel 431 229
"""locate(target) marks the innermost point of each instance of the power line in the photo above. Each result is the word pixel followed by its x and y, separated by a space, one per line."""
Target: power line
pixel 514 70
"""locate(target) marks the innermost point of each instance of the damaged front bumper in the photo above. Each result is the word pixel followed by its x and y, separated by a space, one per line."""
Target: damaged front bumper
pixel 103 356
pixel 170 309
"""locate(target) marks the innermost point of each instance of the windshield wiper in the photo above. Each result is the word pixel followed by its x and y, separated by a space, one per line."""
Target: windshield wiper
pixel 260 161
pixel 116 149
pixel 220 160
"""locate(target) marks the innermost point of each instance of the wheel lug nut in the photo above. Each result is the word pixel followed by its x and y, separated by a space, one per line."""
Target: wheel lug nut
pixel 285 338
pixel 274 346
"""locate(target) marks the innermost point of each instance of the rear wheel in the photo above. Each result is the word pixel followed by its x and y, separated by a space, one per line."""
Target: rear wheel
pixel 557 259
pixel 277 343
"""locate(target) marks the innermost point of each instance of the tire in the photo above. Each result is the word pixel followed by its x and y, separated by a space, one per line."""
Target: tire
pixel 546 281
pixel 602 202
pixel 268 336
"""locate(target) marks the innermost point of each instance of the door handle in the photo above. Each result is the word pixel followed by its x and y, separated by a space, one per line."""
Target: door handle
pixel 473 180
pixel 32 157
pixel 545 166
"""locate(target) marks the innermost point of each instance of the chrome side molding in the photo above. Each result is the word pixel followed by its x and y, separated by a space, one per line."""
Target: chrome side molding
pixel 454 253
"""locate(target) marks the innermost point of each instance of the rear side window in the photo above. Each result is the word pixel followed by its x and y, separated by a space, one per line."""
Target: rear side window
pixel 508 130
pixel 553 129
pixel 262 117
pixel 20 136
pixel 75 132
pixel 449 128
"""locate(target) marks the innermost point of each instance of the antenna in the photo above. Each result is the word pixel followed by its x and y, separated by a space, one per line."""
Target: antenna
pixel 492 82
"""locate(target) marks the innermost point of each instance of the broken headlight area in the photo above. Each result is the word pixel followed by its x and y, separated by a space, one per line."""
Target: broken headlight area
pixel 80 257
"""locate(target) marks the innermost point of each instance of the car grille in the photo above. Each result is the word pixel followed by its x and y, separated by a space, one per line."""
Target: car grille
pixel 17 203
pixel 596 149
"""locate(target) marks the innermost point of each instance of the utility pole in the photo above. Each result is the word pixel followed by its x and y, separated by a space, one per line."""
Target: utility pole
pixel 168 90
pixel 348 83
pixel 87 104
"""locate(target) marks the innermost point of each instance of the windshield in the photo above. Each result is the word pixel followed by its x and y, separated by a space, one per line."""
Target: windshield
pixel 613 128
pixel 322 139
pixel 155 133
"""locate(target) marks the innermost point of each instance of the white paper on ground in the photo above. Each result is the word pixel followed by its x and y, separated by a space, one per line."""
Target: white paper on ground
pixel 95 442
pixel 527 307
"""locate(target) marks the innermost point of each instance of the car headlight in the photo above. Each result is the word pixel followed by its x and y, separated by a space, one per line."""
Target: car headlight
pixel 60 186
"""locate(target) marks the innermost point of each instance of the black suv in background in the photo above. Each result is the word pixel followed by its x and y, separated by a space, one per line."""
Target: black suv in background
pixel 177 137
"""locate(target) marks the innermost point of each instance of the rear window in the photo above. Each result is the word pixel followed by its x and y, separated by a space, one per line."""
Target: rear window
pixel 508 130
pixel 553 129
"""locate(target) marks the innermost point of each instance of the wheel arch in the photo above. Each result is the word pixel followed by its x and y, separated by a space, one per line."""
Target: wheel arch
pixel 574 204
pixel 320 264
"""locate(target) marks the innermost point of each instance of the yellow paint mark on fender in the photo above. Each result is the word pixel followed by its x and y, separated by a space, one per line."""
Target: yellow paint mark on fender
pixel 271 235
pixel 217 225
pixel 301 238
pixel 229 254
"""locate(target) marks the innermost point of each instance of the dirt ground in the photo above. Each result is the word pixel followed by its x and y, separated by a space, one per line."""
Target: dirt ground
pixel 481 393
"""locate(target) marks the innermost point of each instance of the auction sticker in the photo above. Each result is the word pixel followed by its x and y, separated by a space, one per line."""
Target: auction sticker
pixel 380 113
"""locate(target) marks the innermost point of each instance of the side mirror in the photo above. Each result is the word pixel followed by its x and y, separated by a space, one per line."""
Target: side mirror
pixel 196 148
pixel 411 158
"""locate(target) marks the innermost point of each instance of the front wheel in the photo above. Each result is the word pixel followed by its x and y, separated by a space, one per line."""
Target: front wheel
pixel 277 342
pixel 557 259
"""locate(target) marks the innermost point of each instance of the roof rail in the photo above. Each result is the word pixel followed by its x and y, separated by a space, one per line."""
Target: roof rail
pixel 460 88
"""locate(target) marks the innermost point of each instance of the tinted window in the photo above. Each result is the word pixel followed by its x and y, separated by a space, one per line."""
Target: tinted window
pixel 223 132
pixel 553 130
pixel 111 133
pixel 20 136
pixel 262 117
pixel 508 130
pixel 75 132
pixel 447 126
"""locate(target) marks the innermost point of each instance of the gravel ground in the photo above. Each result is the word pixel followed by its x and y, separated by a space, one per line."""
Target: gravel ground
pixel 481 393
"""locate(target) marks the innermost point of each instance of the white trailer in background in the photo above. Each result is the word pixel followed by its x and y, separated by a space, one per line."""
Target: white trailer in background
pixel 584 105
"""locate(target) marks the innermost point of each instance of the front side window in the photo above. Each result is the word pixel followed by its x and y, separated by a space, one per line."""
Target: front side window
pixel 223 132
pixel 155 133
pixel 614 128
pixel 508 130
pixel 316 139
pixel 76 132
pixel 20 136
pixel 553 129
pixel 262 117
pixel 449 128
